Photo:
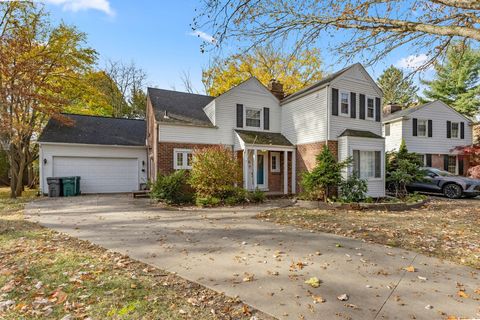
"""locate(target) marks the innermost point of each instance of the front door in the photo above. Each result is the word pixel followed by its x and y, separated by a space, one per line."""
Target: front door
pixel 261 171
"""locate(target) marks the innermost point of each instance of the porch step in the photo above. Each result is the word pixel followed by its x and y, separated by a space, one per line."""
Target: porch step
pixel 141 194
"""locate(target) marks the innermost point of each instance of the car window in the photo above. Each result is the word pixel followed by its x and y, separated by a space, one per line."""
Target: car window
pixel 441 173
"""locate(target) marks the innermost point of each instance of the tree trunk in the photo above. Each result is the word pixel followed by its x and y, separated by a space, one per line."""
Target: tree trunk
pixel 20 174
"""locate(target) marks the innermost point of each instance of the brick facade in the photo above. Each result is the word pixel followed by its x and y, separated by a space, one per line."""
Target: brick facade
pixel 307 153
pixel 165 154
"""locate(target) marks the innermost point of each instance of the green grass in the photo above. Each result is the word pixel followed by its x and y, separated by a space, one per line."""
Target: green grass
pixel 50 275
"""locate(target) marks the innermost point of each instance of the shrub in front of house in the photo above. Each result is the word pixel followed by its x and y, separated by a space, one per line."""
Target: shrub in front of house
pixel 172 188
pixel 324 179
pixel 402 168
pixel 353 189
pixel 215 174
pixel 256 196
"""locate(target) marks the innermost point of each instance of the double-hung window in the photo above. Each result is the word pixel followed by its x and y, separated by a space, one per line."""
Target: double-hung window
pixel 455 129
pixel 344 103
pixel 367 164
pixel 253 117
pixel 182 159
pixel 274 161
pixel 370 108
pixel 422 128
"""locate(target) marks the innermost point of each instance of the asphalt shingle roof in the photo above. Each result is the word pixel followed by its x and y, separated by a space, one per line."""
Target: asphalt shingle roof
pixel 263 138
pixel 179 107
pixel 96 130
pixel 359 133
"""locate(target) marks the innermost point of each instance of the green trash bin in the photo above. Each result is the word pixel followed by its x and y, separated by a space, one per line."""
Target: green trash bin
pixel 68 186
pixel 77 186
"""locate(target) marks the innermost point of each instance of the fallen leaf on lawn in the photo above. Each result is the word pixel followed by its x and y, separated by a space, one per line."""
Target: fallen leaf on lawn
pixel 9 286
pixel 248 278
pixel 477 291
pixel 318 299
pixel 462 294
pixel 410 269
pixel 343 297
pixel 245 310
pixel 60 296
pixel 314 282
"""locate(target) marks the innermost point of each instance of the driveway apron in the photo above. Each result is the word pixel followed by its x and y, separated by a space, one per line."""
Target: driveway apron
pixel 266 265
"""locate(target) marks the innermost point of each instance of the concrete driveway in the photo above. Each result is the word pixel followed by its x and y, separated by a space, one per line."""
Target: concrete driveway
pixel 266 265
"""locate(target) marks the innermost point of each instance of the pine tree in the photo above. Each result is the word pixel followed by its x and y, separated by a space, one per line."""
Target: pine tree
pixel 457 80
pixel 397 89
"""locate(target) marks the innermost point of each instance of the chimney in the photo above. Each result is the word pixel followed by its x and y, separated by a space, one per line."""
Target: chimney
pixel 391 108
pixel 276 87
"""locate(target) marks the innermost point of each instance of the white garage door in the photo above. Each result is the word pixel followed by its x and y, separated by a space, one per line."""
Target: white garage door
pixel 99 175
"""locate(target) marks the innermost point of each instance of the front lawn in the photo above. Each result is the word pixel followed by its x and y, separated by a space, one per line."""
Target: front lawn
pixel 48 275
pixel 446 229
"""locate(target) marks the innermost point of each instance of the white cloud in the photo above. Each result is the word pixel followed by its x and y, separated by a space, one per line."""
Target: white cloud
pixel 413 61
pixel 203 35
pixel 79 5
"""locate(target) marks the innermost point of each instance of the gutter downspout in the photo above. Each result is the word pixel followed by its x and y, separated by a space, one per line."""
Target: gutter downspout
pixel 328 116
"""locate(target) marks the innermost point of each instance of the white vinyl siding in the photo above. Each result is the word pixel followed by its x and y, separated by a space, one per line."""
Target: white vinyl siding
pixel 304 120
pixel 190 134
pixel 210 111
pixel 354 80
pixel 123 169
pixel 438 143
pixel 393 141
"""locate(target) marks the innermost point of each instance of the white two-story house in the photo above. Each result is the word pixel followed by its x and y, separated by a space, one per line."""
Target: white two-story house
pixel 433 130
pixel 274 137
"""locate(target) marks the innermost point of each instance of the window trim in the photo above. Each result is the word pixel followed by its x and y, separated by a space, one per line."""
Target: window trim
pixel 185 153
pixel 366 108
pixel 458 130
pixel 426 128
pixel 277 162
pixel 340 103
pixel 245 108
pixel 389 129
pixel 382 162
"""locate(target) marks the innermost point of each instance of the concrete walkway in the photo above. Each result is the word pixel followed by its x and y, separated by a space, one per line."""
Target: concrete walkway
pixel 266 265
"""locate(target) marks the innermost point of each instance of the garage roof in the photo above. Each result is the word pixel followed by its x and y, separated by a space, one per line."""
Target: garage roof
pixel 96 130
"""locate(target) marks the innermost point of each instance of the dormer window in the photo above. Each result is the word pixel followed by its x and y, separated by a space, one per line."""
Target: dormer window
pixel 345 103
pixel 253 117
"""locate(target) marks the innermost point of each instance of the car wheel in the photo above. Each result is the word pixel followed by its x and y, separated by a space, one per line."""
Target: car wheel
pixel 452 191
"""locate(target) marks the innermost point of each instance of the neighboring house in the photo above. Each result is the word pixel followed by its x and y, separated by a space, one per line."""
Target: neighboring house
pixel 109 154
pixel 432 130
pixel 274 138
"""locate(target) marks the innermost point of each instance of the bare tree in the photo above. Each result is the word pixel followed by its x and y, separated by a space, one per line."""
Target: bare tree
pixel 187 82
pixel 126 81
pixel 373 28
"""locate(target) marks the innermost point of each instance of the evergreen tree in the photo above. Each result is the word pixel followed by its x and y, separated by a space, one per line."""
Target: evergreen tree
pixel 457 80
pixel 325 177
pixel 397 89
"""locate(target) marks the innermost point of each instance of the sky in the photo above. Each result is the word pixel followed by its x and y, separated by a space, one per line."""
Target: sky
pixel 156 35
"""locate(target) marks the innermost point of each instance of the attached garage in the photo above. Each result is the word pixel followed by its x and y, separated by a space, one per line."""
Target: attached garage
pixel 109 154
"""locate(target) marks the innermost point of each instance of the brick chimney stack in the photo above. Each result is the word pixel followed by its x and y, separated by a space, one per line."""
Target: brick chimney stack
pixel 391 108
pixel 276 87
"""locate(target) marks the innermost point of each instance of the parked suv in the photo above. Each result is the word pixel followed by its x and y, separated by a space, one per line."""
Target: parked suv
pixel 443 182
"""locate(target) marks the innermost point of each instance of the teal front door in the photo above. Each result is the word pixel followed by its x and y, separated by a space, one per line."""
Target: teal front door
pixel 260 171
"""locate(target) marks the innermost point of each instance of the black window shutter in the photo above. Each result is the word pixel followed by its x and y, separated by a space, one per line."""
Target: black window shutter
pixel 430 127
pixel 449 129
pixel 353 105
pixel 377 109
pixel 362 107
pixel 445 162
pixel 378 164
pixel 335 102
pixel 266 118
pixel 414 127
pixel 428 160
pixel 462 130
pixel 460 165
pixel 239 115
